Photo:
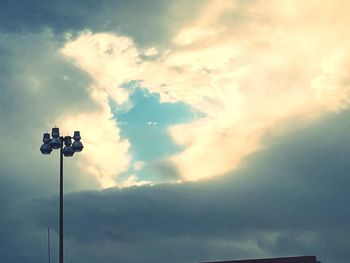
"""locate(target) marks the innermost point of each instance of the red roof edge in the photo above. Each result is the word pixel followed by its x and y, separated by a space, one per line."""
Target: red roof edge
pixel 301 259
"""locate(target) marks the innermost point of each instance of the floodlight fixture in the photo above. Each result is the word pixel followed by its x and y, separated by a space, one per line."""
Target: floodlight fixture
pixel 46 147
pixel 68 150
pixel 56 141
pixel 77 144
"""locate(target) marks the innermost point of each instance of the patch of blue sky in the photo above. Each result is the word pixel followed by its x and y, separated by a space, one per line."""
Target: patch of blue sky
pixel 145 123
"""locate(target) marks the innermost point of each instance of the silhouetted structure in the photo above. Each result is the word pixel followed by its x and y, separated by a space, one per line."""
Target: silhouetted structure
pixel 68 150
pixel 305 259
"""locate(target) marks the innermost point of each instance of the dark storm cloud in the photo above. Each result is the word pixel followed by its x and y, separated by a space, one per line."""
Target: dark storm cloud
pixel 37 85
pixel 145 21
pixel 15 228
pixel 34 79
pixel 289 200
pixel 31 15
pixel 161 171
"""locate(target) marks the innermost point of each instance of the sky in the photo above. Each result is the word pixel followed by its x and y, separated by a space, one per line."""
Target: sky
pixel 213 129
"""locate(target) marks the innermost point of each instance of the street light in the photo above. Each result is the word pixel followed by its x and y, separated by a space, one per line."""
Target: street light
pixel 56 142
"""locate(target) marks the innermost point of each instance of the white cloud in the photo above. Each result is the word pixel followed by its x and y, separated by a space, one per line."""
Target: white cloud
pixel 132 180
pixel 152 123
pixel 110 60
pixel 105 155
pixel 247 66
pixel 151 52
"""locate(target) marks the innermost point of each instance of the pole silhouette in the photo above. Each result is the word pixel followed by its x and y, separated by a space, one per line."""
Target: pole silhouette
pixel 61 248
pixel 67 149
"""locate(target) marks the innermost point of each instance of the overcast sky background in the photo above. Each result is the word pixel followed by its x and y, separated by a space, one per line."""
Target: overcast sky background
pixel 213 130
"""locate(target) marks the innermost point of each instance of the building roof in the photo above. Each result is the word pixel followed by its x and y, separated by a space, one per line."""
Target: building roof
pixel 305 259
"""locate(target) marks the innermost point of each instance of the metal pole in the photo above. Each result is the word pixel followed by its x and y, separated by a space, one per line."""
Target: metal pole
pixel 61 207
pixel 49 244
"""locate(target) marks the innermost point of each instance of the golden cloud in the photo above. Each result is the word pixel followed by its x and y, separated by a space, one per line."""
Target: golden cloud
pixel 248 66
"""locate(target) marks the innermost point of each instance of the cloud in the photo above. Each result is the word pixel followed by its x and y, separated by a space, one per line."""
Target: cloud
pixel 34 92
pixel 158 18
pixel 105 153
pixel 248 67
pixel 288 200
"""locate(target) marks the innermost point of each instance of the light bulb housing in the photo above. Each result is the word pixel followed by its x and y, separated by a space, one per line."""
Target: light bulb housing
pixel 68 151
pixel 55 132
pixel 46 137
pixel 76 136
pixel 77 146
pixel 56 143
pixel 46 148
pixel 67 140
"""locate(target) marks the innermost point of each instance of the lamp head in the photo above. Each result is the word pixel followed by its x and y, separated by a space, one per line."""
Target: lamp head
pixel 67 140
pixel 68 149
pixel 46 148
pixel 46 137
pixel 77 144
pixel 55 141
pixel 55 132
pixel 76 136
